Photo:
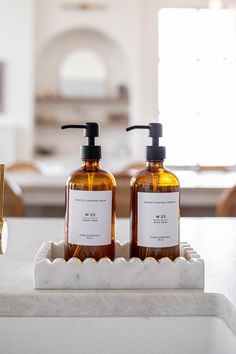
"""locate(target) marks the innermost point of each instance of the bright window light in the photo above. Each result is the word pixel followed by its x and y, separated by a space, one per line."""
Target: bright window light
pixel 197 85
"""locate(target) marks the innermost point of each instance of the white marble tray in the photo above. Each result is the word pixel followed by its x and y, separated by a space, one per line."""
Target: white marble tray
pixel 51 271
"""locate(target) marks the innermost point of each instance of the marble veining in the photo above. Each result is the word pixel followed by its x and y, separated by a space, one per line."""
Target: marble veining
pixel 51 271
pixel 214 238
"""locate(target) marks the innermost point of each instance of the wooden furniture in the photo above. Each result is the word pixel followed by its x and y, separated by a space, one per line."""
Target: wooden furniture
pixel 44 193
pixel 123 188
pixel 81 99
pixel 226 205
pixel 131 168
pixel 13 200
pixel 122 194
pixel 23 166
pixel 204 168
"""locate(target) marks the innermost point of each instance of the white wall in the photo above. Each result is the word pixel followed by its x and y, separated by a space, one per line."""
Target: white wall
pixel 47 73
pixel 16 50
pixel 132 25
pixel 119 23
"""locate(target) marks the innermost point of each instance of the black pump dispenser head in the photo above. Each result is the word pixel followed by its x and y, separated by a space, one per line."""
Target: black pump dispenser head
pixel 90 151
pixel 153 152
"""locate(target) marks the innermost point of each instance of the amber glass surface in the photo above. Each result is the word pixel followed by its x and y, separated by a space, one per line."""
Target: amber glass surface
pixel 154 178
pixel 90 177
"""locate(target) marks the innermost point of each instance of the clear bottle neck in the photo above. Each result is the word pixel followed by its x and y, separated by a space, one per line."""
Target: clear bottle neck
pixel 91 165
pixel 154 165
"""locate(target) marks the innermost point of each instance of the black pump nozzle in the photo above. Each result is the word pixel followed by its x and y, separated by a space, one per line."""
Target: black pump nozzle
pixel 90 151
pixel 153 152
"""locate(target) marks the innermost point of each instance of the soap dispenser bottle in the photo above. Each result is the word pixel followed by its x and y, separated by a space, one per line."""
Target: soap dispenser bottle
pixel 154 204
pixel 90 204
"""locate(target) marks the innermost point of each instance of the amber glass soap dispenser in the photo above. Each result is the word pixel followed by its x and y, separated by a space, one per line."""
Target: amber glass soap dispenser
pixel 154 204
pixel 90 204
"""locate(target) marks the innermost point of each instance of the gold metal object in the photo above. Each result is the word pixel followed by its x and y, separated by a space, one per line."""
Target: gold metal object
pixel 3 223
pixel 84 6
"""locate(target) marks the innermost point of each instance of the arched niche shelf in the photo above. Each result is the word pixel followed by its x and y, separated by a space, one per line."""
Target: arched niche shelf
pixel 90 41
pixel 83 73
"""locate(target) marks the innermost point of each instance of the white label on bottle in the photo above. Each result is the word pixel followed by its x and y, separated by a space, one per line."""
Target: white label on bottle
pixel 158 219
pixel 90 217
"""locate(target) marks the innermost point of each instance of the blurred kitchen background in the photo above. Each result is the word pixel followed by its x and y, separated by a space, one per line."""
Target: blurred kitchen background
pixel 118 62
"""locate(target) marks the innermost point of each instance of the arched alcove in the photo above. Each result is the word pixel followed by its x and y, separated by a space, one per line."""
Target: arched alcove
pixel 105 71
pixel 47 76
pixel 83 73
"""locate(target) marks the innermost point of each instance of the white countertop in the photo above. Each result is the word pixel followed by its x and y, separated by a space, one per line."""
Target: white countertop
pixel 213 238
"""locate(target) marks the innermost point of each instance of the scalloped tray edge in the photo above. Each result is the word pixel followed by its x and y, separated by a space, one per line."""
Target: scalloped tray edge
pixel 51 271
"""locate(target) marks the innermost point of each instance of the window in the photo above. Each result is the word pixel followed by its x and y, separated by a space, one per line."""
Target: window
pixel 197 85
pixel 83 73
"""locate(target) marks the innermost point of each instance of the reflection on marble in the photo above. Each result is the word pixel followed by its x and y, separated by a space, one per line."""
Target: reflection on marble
pixel 51 271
